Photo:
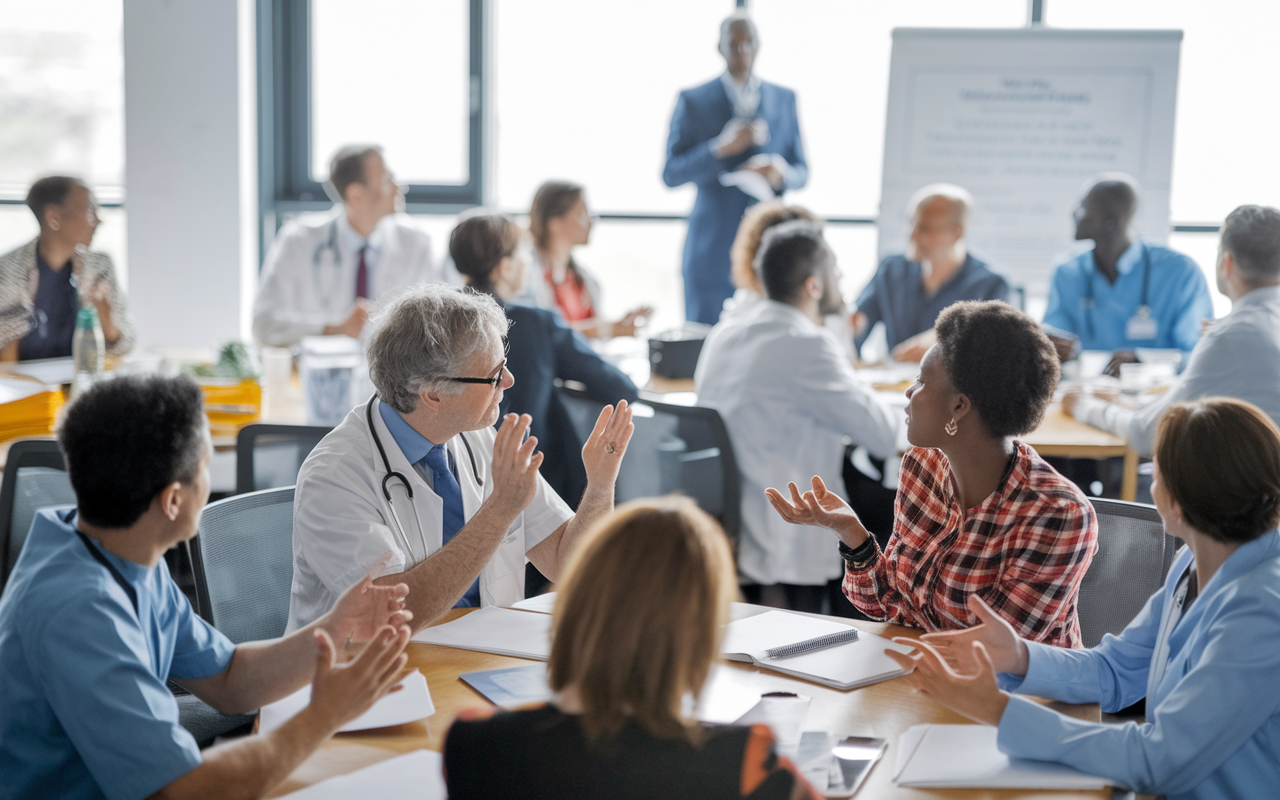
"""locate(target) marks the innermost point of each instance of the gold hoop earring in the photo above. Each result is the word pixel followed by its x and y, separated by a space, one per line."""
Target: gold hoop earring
pixel 951 427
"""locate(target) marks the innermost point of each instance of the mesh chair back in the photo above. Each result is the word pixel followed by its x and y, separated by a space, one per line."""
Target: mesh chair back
pixel 34 478
pixel 243 564
pixel 269 456
pixel 674 449
pixel 1133 558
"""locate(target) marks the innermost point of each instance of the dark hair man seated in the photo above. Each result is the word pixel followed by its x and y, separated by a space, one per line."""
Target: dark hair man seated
pixel 92 626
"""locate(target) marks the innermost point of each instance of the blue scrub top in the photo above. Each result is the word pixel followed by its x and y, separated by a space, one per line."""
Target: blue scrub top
pixel 86 712
pixel 1176 294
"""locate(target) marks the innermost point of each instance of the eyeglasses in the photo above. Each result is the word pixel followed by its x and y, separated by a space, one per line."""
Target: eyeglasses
pixel 493 382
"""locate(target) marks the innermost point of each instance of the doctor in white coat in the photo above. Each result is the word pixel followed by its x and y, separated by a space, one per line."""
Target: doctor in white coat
pixel 420 473
pixel 325 272
pixel 789 397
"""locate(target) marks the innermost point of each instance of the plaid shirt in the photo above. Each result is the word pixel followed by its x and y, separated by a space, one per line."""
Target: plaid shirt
pixel 1024 551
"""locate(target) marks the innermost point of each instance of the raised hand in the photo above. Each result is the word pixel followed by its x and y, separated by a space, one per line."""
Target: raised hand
pixel 366 607
pixel 975 694
pixel 602 454
pixel 515 465
pixel 822 508
pixel 342 692
pixel 1006 650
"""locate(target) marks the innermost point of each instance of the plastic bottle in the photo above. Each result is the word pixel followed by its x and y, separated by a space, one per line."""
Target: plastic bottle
pixel 88 349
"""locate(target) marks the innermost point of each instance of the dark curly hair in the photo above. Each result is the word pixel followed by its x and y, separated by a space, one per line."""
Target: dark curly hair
pixel 1001 360
pixel 126 439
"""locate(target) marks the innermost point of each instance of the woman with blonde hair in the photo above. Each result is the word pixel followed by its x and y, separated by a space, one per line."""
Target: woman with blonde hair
pixel 1204 652
pixel 638 621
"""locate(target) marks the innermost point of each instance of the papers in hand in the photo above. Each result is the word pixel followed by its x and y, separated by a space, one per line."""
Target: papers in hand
pixel 409 703
pixel 418 774
pixel 752 183
pixel 966 756
pixel 501 631
pixel 845 666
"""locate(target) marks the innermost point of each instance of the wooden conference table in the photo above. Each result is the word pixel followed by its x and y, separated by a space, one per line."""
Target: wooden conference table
pixel 884 709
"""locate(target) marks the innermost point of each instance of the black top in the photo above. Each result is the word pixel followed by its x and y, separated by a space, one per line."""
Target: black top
pixel 542 753
pixel 54 314
pixel 542 349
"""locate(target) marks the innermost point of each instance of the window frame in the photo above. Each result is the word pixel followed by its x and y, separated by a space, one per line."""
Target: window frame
pixel 284 116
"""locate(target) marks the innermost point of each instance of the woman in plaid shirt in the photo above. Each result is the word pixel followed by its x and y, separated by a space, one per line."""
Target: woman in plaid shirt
pixel 977 512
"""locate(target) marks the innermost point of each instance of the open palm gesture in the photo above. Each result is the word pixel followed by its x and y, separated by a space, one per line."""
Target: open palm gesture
pixel 822 508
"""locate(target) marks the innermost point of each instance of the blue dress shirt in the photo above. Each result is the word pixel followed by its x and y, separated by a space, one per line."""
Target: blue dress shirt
pixel 415 447
pixel 1176 294
pixel 86 712
pixel 895 296
pixel 1213 712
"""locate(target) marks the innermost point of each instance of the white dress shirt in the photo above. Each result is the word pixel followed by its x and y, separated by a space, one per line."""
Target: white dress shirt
pixel 309 273
pixel 789 397
pixel 1238 357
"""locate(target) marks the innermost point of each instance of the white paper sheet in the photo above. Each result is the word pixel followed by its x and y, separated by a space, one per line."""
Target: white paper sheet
pixel 502 631
pixel 966 756
pixel 418 774
pixel 409 704
pixel 752 183
pixel 543 603
pixel 50 371
pixel 12 389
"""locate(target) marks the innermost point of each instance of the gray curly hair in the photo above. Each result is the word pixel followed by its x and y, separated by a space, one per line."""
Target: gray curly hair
pixel 431 332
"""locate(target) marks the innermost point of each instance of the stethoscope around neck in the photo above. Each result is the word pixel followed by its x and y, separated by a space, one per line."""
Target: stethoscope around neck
pixel 1088 302
pixel 393 475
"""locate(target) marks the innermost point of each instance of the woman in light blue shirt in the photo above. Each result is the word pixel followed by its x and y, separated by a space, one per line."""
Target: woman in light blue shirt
pixel 1204 652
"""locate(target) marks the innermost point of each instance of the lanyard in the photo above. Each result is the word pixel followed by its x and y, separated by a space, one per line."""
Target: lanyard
pixel 1144 309
pixel 115 573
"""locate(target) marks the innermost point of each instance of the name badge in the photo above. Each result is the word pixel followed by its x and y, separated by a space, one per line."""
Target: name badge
pixel 1142 326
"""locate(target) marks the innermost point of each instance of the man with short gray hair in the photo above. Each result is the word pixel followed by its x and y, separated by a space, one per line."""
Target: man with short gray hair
pixel 420 473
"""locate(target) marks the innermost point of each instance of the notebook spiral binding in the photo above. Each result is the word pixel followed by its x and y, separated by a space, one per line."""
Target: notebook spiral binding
pixel 816 643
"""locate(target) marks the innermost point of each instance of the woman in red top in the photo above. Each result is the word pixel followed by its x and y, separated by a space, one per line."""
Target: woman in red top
pixel 977 512
pixel 559 221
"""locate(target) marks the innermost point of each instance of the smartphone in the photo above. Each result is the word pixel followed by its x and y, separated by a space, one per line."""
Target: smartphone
pixel 838 771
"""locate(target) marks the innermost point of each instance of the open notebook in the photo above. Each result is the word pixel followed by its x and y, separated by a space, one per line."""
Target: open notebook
pixel 812 649
pixel 966 756
pixel 501 631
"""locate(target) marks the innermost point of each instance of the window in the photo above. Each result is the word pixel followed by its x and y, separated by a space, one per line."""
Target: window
pixel 400 74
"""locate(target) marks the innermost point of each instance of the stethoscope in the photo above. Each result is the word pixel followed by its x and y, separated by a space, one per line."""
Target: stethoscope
pixel 329 245
pixel 392 474
pixel 1088 302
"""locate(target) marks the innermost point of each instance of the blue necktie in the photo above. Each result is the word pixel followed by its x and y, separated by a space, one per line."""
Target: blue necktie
pixel 446 486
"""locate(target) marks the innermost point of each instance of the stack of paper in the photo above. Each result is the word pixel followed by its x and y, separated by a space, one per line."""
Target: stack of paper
pixel 500 631
pixel 409 702
pixel 846 666
pixel 419 774
pixel 27 407
pixel 966 756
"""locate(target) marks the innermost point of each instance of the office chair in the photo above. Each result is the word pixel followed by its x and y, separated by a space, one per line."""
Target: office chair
pixel 269 456
pixel 35 477
pixel 242 558
pixel 1134 556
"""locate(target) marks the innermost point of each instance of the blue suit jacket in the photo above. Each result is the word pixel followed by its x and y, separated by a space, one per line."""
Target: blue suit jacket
pixel 541 349
pixel 700 116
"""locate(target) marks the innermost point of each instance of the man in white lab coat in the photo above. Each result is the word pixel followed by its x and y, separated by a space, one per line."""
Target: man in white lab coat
pixel 789 396
pixel 420 476
pixel 325 272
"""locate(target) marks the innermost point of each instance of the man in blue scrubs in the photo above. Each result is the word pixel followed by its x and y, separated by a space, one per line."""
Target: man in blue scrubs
pixel 1124 294
pixel 92 626
pixel 738 139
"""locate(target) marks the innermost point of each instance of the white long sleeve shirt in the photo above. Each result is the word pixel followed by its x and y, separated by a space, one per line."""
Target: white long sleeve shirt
pixel 789 397
pixel 1239 356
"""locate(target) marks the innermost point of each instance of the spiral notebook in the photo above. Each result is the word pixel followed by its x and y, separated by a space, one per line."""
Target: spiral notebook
pixel 812 649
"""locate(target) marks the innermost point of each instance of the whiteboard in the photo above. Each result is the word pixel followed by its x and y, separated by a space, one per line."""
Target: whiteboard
pixel 1022 118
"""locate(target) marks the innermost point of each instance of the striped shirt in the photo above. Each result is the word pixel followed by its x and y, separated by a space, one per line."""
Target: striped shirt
pixel 1024 551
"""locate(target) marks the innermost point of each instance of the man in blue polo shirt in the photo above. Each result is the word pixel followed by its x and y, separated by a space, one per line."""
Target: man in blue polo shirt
pixel 1124 293
pixel 92 626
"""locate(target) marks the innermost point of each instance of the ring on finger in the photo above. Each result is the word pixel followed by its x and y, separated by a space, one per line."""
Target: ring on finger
pixel 609 447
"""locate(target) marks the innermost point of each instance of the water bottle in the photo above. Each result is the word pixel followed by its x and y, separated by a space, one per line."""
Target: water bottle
pixel 88 350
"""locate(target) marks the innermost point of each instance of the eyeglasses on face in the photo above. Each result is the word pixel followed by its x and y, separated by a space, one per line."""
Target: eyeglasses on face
pixel 493 382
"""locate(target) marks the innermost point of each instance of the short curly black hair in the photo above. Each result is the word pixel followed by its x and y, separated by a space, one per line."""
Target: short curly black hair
pixel 126 439
pixel 1001 360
